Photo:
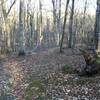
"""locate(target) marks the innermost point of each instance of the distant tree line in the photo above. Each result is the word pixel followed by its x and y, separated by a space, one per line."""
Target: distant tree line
pixel 31 29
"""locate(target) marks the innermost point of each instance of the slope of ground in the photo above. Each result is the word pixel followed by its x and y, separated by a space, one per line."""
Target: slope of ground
pixel 38 76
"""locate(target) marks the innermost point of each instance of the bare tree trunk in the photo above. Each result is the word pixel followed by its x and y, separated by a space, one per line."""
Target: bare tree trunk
pixel 97 27
pixel 37 28
pixel 59 23
pixel 40 25
pixel 57 19
pixel 21 29
pixel 54 3
pixel 71 26
pixel 47 33
pixel 28 16
pixel 3 6
pixel 65 18
pixel 83 20
pixel 31 30
pixel 6 35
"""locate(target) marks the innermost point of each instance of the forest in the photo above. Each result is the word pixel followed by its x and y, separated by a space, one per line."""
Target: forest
pixel 49 49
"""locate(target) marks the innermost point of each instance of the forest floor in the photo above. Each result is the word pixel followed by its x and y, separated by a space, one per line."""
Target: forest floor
pixel 40 76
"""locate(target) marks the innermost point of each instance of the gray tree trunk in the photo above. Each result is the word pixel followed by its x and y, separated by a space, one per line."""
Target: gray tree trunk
pixel 84 22
pixel 63 31
pixel 6 35
pixel 40 24
pixel 59 22
pixel 31 31
pixel 21 29
pixel 71 26
pixel 54 3
pixel 97 27
pixel 57 19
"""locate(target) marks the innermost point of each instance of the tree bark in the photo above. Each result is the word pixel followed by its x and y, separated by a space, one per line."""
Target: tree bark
pixel 97 27
pixel 65 18
pixel 21 29
pixel 71 26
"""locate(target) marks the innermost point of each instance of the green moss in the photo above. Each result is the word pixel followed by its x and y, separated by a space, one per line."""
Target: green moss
pixel 35 86
pixel 98 60
pixel 69 70
pixel 41 98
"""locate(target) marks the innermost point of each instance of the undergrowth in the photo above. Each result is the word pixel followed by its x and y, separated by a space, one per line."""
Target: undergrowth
pixel 68 70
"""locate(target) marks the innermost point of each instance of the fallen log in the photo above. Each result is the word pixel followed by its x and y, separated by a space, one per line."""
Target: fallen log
pixel 92 64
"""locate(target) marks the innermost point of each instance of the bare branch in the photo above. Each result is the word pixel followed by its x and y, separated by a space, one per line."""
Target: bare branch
pixel 10 7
